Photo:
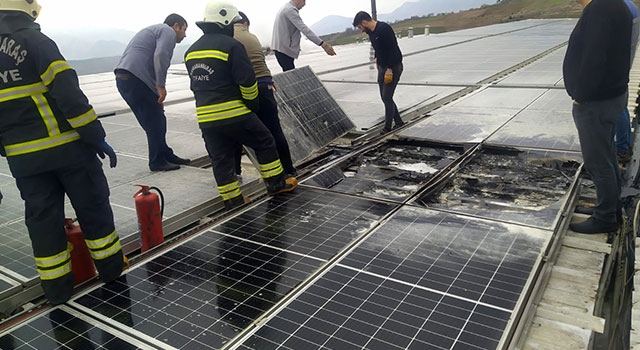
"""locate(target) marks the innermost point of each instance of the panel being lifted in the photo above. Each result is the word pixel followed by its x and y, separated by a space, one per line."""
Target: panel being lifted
pixel 309 116
pixel 394 171
pixel 526 187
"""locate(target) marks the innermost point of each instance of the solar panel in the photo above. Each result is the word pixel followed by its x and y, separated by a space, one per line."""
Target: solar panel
pixel 309 116
pixel 12 207
pixel 8 286
pixel 206 290
pixel 539 129
pixel 423 280
pixel 393 171
pixel 526 187
pixel 200 294
pixel 311 222
pixel 17 254
pixel 64 328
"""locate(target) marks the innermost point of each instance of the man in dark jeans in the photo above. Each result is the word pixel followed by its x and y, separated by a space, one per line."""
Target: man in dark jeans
pixel 141 76
pixel 596 75
pixel 389 62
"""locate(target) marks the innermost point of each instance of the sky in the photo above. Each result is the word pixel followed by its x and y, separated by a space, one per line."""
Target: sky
pixel 134 15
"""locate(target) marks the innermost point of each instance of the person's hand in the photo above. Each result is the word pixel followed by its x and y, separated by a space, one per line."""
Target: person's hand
pixel 388 76
pixel 576 102
pixel 104 148
pixel 328 49
pixel 162 92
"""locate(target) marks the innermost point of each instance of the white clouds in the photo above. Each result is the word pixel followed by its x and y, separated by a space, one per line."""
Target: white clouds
pixel 136 14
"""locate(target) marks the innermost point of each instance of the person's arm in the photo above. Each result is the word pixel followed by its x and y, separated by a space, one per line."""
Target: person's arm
pixel 165 43
pixel 64 90
pixel 294 17
pixel 243 75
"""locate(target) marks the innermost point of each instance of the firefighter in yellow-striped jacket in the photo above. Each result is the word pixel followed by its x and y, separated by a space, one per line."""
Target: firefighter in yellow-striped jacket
pixel 226 94
pixel 50 135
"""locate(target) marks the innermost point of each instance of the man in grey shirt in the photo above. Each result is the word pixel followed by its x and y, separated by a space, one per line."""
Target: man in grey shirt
pixel 141 75
pixel 286 35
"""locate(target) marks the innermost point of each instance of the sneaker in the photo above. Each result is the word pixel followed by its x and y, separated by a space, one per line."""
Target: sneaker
pixel 593 225
pixel 290 184
pixel 177 160
pixel 624 157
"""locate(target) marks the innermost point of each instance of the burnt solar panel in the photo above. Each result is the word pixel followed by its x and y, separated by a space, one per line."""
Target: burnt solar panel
pixel 529 187
pixel 393 171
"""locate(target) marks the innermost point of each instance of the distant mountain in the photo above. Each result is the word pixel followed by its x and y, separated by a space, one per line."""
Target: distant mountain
pixel 333 24
pixel 91 43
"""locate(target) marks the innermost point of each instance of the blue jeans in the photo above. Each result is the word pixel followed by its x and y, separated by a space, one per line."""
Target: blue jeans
pixel 623 131
pixel 149 113
pixel 596 124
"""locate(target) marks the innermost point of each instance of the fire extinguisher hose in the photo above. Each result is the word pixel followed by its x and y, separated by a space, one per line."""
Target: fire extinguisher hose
pixel 161 200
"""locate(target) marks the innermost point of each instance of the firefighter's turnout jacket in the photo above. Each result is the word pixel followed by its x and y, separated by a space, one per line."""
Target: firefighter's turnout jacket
pixel 44 113
pixel 222 80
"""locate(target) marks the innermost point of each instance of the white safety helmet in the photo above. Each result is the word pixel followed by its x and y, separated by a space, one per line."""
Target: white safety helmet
pixel 29 7
pixel 220 12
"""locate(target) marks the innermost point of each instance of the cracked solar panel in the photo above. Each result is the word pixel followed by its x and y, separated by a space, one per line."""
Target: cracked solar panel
pixel 423 280
pixel 526 187
pixel 64 328
pixel 393 171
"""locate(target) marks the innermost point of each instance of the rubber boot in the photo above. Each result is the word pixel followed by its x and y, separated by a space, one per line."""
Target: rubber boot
pixel 59 290
pixel 111 268
pixel 234 203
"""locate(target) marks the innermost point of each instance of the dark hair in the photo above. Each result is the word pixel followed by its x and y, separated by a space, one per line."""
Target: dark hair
pixel 244 19
pixel 175 18
pixel 361 16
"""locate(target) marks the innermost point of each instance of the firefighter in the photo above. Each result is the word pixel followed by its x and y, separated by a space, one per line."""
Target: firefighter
pixel 226 94
pixel 50 135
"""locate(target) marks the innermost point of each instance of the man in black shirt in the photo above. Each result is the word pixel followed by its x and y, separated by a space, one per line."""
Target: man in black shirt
pixel 389 62
pixel 596 75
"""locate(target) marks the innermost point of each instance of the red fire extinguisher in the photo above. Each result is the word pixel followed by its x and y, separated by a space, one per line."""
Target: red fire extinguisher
pixel 81 262
pixel 149 211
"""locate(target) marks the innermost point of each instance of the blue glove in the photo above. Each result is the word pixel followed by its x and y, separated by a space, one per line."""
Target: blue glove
pixel 104 148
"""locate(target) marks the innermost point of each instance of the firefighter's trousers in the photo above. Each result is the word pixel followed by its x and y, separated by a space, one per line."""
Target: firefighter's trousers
pixel 44 196
pixel 221 142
